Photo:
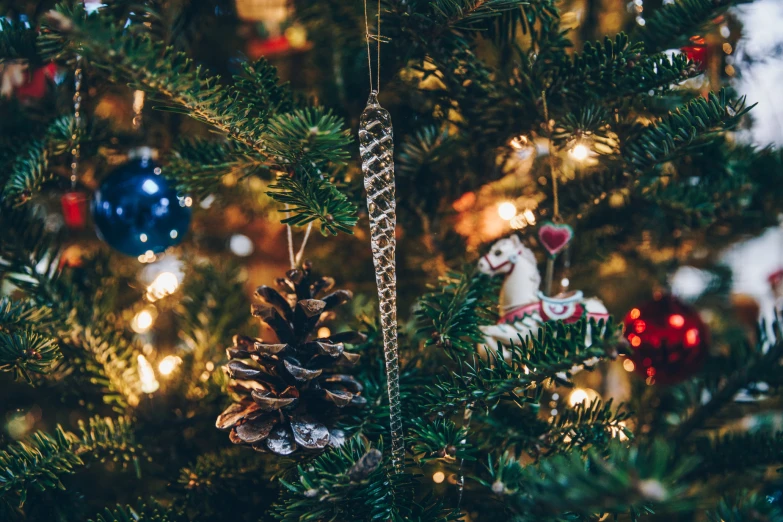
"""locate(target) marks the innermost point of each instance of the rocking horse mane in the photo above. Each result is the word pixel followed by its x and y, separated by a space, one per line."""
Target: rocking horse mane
pixel 529 256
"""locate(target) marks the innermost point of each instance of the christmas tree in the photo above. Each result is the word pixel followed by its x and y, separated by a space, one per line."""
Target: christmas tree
pixel 533 278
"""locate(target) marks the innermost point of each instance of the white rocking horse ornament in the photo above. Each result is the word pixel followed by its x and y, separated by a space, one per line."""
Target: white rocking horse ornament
pixel 523 307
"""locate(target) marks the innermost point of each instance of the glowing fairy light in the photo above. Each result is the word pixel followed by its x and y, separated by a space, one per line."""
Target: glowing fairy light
pixel 580 152
pixel 580 395
pixel 147 257
pixel 507 210
pixel 143 320
pixel 149 384
pixel 628 365
pixel 166 283
pixel 577 396
pixel 438 477
pixel 169 364
pixel 523 219
pixel 324 332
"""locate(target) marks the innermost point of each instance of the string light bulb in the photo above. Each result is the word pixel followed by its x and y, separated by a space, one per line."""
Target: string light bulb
pixel 580 152
pixel 438 477
pixel 507 210
pixel 577 396
pixel 166 283
pixel 580 395
pixel 149 383
pixel 169 364
pixel 143 320
pixel 324 332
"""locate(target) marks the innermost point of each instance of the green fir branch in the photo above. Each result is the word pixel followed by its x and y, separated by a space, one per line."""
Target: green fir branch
pixel 38 465
pixel 737 452
pixel 450 316
pixel 24 353
pixel 199 166
pixel 587 425
pixel 219 473
pixel 671 25
pixel 152 513
pixel 590 124
pixel 428 146
pixel 613 69
pixel 309 197
pixel 354 483
pixel 684 129
pixel 746 506
pixel 471 15
pixel 755 366
pixel 620 480
pixel 17 42
pixel 102 353
pixel 306 137
pixel 301 140
pixel 550 356
pixel 24 349
pixel 108 439
pixel 30 170
pixel 440 439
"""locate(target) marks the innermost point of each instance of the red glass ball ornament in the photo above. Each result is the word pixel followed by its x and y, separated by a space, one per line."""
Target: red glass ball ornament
pixel 697 51
pixel 668 338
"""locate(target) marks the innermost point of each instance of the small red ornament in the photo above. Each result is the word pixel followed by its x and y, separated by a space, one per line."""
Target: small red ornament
pixel 32 84
pixel 268 47
pixel 697 51
pixel 668 338
pixel 74 209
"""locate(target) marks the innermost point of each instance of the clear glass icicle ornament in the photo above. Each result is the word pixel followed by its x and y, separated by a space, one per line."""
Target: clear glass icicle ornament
pixel 377 152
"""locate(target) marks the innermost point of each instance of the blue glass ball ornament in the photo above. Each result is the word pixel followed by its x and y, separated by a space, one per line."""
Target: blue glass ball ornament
pixel 136 210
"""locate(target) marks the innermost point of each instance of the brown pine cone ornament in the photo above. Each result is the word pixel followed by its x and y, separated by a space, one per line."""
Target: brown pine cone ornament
pixel 288 391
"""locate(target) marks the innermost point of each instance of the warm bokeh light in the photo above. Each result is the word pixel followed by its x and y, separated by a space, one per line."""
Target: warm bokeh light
pixel 520 142
pixel 577 396
pixel 166 283
pixel 149 384
pixel 580 152
pixel 147 257
pixel 143 320
pixel 635 313
pixel 692 337
pixel 438 477
pixel 324 332
pixel 507 210
pixel 169 364
pixel 640 326
pixel 676 321
pixel 628 365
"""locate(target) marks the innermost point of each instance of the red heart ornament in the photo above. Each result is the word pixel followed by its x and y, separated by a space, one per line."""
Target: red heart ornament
pixel 555 237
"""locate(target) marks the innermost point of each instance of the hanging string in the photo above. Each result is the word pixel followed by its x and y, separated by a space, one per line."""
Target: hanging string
pixel 77 120
pixel 368 37
pixel 300 254
pixel 552 169
pixel 296 259
pixel 550 262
